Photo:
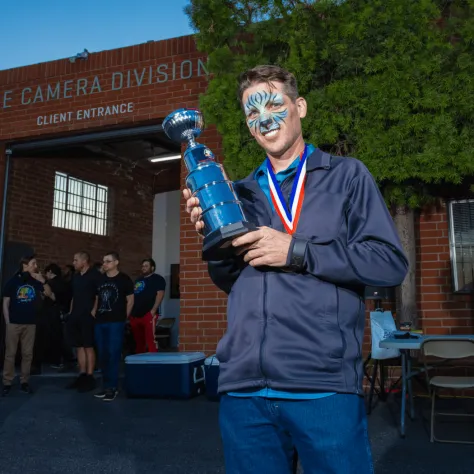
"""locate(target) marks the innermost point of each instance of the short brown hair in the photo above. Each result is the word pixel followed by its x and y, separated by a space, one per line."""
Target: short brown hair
pixel 25 260
pixel 84 255
pixel 267 75
pixel 113 254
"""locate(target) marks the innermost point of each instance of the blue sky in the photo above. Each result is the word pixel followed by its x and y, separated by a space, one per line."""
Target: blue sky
pixel 35 31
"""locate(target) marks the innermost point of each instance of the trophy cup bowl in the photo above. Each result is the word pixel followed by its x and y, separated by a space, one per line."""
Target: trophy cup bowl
pixel 222 212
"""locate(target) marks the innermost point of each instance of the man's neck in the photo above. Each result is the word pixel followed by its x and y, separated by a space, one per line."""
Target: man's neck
pixel 112 273
pixel 85 269
pixel 148 275
pixel 281 163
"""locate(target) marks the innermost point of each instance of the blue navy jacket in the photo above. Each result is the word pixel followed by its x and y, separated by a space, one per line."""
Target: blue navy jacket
pixel 302 330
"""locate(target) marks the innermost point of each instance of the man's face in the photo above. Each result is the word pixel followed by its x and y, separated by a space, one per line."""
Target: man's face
pixel 32 266
pixel 78 262
pixel 272 117
pixel 147 269
pixel 109 263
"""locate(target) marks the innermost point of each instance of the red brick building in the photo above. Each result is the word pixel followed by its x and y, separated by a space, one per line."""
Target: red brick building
pixel 76 138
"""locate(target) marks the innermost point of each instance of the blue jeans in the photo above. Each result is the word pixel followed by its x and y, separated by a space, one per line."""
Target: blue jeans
pixel 109 340
pixel 330 435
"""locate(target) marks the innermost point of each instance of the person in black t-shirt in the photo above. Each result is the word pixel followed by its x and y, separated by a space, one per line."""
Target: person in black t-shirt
pixel 81 321
pixel 149 293
pixel 115 305
pixel 56 305
pixel 22 299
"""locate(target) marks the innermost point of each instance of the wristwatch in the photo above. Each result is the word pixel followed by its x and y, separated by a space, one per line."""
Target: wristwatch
pixel 297 253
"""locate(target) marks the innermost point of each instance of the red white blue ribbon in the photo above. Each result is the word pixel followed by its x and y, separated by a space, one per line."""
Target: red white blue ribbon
pixel 289 216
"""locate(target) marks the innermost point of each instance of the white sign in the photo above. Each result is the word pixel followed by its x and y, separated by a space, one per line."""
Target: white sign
pixel 85 114
pixel 113 81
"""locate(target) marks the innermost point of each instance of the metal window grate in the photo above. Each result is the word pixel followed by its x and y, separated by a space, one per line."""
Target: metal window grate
pixel 79 205
pixel 461 233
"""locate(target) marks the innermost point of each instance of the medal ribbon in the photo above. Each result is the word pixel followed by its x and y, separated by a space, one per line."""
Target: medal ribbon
pixel 291 216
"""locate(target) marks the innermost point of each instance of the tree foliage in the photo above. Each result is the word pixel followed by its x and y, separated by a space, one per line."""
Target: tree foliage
pixel 390 82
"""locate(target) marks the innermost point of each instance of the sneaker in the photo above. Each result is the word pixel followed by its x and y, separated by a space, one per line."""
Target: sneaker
pixel 76 383
pixel 6 390
pixel 87 384
pixel 100 394
pixel 57 366
pixel 25 388
pixel 110 396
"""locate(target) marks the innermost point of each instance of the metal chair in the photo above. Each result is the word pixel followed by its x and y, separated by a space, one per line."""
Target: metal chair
pixel 447 349
pixel 163 333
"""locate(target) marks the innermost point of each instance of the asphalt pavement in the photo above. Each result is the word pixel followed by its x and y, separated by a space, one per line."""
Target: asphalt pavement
pixel 56 431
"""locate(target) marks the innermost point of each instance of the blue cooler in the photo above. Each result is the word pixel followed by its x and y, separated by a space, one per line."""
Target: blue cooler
pixel 165 375
pixel 211 365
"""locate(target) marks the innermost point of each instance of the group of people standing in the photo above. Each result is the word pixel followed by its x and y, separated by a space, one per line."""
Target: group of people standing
pixel 94 311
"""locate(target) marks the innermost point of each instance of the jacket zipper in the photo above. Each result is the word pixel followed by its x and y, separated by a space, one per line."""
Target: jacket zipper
pixel 358 350
pixel 264 325
pixel 283 184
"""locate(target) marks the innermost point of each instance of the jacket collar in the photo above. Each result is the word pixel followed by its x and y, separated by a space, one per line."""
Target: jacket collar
pixel 317 160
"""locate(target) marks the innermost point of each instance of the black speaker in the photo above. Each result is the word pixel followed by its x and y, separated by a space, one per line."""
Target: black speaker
pixel 377 293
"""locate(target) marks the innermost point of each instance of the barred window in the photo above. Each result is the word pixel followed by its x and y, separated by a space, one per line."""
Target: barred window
pixel 461 237
pixel 79 205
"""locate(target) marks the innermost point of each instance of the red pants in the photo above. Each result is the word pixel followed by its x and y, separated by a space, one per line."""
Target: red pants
pixel 143 332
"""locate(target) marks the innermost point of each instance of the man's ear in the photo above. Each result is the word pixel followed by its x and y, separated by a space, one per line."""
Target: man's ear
pixel 302 106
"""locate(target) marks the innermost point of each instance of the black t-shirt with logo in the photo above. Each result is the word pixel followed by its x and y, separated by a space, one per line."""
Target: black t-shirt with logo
pixel 146 289
pixel 84 291
pixel 25 298
pixel 113 292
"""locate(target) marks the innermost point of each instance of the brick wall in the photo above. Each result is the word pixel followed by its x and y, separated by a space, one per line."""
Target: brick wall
pixel 441 311
pixel 203 305
pixel 30 209
pixel 152 100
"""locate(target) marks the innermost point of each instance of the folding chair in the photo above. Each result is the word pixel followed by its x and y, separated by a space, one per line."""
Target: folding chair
pixel 447 349
pixel 382 325
pixel 163 333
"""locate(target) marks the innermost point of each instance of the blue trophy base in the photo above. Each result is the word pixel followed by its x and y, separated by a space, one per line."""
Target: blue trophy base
pixel 218 244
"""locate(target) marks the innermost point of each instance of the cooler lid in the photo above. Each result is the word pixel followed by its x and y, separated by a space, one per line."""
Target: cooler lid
pixel 212 360
pixel 165 358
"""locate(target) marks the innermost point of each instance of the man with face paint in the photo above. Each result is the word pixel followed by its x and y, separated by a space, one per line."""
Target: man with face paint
pixel 291 359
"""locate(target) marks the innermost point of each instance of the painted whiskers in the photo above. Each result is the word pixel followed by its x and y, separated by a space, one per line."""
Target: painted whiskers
pixel 264 111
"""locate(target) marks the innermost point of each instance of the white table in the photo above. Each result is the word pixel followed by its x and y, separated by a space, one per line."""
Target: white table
pixel 405 346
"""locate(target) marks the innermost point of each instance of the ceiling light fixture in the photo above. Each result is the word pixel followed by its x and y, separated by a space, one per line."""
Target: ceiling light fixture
pixel 157 159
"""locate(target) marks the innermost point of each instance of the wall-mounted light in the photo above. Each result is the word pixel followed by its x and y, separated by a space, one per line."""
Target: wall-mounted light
pixel 84 55
pixel 157 159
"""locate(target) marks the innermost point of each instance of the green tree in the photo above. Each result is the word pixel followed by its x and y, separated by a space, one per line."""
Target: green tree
pixel 387 81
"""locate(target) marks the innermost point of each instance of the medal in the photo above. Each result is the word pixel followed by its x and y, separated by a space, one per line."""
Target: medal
pixel 289 217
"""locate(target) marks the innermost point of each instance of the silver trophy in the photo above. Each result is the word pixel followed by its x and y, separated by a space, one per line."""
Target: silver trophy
pixel 222 212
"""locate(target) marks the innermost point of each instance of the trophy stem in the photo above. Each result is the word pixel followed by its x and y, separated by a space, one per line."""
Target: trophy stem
pixel 189 136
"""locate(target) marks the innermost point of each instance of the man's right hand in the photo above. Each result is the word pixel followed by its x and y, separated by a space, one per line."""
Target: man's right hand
pixel 194 210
